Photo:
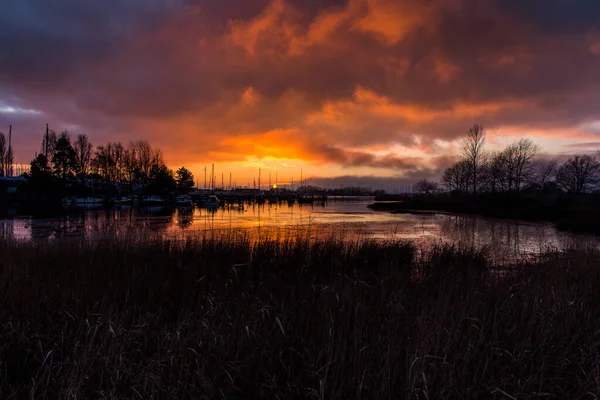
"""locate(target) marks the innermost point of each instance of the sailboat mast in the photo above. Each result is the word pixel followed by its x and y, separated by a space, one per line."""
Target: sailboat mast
pixel 9 156
pixel 46 150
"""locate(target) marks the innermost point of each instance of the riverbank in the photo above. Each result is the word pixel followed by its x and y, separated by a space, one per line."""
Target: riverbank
pixel 570 213
pixel 219 318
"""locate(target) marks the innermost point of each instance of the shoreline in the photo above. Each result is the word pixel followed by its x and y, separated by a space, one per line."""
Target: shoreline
pixel 571 218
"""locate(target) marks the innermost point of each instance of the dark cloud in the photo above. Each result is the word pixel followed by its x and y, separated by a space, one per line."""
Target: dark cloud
pixel 45 43
pixel 557 16
pixel 354 158
pixel 391 184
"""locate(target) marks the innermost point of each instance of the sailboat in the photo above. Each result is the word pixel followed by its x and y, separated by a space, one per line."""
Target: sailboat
pixel 210 201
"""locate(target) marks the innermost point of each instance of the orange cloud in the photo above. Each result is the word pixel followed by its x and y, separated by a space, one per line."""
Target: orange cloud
pixel 356 86
pixel 391 21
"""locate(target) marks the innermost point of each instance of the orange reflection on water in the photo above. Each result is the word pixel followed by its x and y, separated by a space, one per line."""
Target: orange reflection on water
pixel 335 220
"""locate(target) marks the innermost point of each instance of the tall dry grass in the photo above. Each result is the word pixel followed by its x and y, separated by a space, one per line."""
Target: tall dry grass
pixel 225 318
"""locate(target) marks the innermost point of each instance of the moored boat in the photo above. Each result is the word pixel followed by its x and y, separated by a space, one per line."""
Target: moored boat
pixel 183 200
pixel 89 201
pixel 153 200
pixel 120 201
pixel 211 201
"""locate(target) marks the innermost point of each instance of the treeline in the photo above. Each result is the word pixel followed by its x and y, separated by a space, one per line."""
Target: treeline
pixel 513 170
pixel 137 163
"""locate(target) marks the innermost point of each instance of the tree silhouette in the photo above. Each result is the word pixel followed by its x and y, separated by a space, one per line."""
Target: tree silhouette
pixel 50 146
pixel 40 170
pixel 426 187
pixel 578 174
pixel 473 152
pixel 83 156
pixel 458 176
pixel 162 181
pixel 3 152
pixel 64 156
pixel 184 179
pixel 9 159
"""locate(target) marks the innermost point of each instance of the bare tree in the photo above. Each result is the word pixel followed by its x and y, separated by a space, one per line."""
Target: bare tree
pixel 83 156
pixel 457 177
pixel 578 173
pixel 100 162
pixel 425 187
pixel 134 164
pixel 451 178
pixel 521 153
pixel 3 151
pixel 9 159
pixel 495 176
pixel 130 165
pixel 143 157
pixel 543 172
pixel 157 158
pixel 50 146
pixel 118 157
pixel 473 152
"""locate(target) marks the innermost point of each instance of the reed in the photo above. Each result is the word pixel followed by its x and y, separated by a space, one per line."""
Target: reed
pixel 231 317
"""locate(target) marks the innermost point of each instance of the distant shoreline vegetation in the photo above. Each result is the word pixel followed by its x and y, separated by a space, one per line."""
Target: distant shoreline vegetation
pixel 511 183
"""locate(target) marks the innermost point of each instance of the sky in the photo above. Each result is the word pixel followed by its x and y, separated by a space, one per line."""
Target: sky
pixel 350 92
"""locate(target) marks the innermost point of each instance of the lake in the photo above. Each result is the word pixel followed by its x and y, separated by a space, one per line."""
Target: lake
pixel 347 220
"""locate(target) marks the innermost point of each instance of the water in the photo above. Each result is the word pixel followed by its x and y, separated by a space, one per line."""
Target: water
pixel 343 220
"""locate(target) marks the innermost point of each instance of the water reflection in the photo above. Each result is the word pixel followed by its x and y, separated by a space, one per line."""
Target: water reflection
pixel 336 219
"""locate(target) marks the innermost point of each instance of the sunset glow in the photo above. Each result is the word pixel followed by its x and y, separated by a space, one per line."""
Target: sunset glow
pixel 369 92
